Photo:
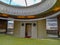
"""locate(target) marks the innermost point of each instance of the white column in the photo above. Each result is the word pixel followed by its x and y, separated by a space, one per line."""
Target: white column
pixel 22 30
pixel 19 29
pixel 34 30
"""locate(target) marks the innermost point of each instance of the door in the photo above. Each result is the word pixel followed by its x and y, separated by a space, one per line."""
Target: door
pixel 28 29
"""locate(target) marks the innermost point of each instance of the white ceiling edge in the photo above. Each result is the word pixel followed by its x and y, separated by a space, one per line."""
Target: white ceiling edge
pixel 51 16
pixel 28 11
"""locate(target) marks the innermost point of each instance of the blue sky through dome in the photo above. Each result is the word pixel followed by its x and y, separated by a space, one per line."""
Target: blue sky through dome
pixel 21 2
pixel 5 1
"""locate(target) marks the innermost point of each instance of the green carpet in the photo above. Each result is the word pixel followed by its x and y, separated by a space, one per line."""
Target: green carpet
pixel 11 40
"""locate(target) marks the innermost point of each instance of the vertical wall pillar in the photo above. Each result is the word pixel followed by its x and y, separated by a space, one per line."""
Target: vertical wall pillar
pixel 22 30
pixel 42 29
pixel 19 29
pixel 6 26
pixel 34 30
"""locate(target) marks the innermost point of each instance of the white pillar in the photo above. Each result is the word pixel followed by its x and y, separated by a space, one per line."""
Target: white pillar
pixel 34 30
pixel 19 29
pixel 22 30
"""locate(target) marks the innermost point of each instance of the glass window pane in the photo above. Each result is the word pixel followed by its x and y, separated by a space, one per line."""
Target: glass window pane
pixel 21 2
pixel 5 1
pixel 37 1
pixel 32 2
pixel 18 2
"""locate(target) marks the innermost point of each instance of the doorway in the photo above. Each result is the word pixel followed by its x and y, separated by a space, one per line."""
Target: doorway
pixel 28 28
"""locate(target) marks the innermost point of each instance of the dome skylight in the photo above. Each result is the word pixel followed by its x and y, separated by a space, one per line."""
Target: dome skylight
pixel 21 2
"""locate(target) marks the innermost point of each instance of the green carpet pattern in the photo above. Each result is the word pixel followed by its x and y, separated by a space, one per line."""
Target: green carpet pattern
pixel 11 40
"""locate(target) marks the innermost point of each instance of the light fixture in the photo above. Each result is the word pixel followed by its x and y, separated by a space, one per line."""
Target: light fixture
pixel 56 9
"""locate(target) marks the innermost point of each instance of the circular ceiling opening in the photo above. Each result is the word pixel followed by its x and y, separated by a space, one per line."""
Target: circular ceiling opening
pixel 24 3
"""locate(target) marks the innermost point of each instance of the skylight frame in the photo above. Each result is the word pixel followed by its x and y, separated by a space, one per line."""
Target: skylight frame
pixel 21 5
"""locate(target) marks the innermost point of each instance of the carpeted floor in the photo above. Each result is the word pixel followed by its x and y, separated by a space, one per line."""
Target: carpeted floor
pixel 11 40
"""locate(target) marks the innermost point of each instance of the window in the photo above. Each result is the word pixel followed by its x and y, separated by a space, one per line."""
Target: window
pixel 21 2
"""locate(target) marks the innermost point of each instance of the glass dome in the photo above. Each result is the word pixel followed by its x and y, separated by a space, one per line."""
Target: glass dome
pixel 21 2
